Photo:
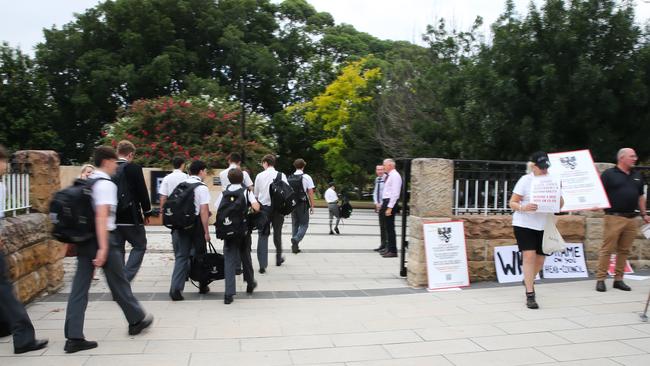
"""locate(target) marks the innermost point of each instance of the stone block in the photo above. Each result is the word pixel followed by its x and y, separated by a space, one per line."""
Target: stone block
pixel 432 183
pixel 28 260
pixel 571 227
pixel 476 249
pixel 55 274
pixel 56 251
pixel 417 279
pixel 594 228
pixel 601 167
pixel 44 175
pixel 640 265
pixel 23 231
pixel 487 227
pixel 31 285
pixel 482 271
pixel 644 248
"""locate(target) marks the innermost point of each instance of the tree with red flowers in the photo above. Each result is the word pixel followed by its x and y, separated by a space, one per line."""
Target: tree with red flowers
pixel 194 127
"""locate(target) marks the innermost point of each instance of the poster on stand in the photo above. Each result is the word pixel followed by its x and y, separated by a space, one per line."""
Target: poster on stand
pixel 581 185
pixel 446 255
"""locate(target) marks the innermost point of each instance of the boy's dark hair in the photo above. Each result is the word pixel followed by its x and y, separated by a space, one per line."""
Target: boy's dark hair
pixel 269 159
pixel 234 157
pixel 125 147
pixel 104 153
pixel 235 176
pixel 177 161
pixel 299 164
pixel 197 166
pixel 4 154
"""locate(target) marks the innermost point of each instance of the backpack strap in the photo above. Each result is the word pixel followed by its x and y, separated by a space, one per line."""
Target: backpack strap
pixel 278 177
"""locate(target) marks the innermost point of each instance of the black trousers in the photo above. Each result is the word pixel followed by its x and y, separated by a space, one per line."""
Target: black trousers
pixel 389 224
pixel 382 230
pixel 12 312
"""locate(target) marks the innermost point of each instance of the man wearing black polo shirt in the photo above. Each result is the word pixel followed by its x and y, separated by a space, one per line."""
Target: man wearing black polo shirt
pixel 624 187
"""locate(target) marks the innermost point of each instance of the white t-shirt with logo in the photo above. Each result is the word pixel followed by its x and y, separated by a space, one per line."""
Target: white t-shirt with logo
pixel 530 220
pixel 105 193
pixel 171 181
pixel 201 193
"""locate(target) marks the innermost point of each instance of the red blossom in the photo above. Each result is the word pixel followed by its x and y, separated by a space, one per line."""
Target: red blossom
pixel 145 132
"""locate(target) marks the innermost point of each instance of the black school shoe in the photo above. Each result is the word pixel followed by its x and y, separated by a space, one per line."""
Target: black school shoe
pixel 176 296
pixel 600 286
pixel 279 261
pixel 250 287
pixel 76 345
pixel 34 346
pixel 336 230
pixel 204 289
pixel 143 324
pixel 227 299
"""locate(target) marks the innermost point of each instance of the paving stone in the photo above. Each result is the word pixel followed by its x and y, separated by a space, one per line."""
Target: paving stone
pixel 513 357
pixel 584 351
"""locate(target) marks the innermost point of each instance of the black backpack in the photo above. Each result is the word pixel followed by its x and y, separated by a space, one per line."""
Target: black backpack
pixel 72 213
pixel 179 211
pixel 232 220
pixel 283 198
pixel 345 210
pixel 125 204
pixel 295 181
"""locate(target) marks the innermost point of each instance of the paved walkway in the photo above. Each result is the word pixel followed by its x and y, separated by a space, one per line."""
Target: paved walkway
pixel 338 303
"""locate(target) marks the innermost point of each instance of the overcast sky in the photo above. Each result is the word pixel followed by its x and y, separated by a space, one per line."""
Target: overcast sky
pixel 22 21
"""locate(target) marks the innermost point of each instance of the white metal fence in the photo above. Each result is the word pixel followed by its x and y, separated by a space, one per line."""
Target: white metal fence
pixel 16 193
pixel 476 196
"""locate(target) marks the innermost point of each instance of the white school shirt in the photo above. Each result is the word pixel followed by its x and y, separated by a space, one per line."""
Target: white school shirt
pixel 530 220
pixel 331 196
pixel 263 182
pixel 233 187
pixel 223 177
pixel 3 199
pixel 307 182
pixel 171 181
pixel 201 193
pixel 105 193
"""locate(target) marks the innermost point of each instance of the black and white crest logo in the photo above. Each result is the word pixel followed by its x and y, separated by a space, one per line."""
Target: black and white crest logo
pixel 569 162
pixel 444 233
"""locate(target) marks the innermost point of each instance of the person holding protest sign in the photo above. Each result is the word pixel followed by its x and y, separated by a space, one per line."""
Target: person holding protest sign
pixel 624 187
pixel 528 224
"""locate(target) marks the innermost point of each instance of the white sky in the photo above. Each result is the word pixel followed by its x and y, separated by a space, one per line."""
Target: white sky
pixel 22 21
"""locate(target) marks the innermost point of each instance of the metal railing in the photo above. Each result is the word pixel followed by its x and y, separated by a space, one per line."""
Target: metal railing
pixel 16 193
pixel 484 186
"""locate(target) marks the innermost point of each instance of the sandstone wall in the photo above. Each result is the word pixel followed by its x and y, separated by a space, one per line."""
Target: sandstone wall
pixel 431 195
pixel 34 260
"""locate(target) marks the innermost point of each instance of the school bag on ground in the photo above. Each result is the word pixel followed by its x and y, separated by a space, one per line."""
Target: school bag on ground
pixel 179 211
pixel 72 213
pixel 283 198
pixel 207 267
pixel 232 214
pixel 295 182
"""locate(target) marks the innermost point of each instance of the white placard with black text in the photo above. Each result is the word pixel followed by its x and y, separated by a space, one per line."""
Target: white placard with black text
pixel 545 193
pixel 509 264
pixel 444 244
pixel 581 185
pixel 569 263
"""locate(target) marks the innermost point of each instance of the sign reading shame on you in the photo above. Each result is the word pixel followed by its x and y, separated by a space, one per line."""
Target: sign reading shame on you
pixel 444 244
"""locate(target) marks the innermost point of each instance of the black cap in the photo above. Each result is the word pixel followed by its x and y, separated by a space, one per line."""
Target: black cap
pixel 540 159
pixel 331 184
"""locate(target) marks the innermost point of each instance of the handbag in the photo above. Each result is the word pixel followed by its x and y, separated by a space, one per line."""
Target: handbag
pixel 552 240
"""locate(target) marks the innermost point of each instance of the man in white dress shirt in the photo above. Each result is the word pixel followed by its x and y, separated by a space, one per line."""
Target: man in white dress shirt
pixel 389 206
pixel 267 215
